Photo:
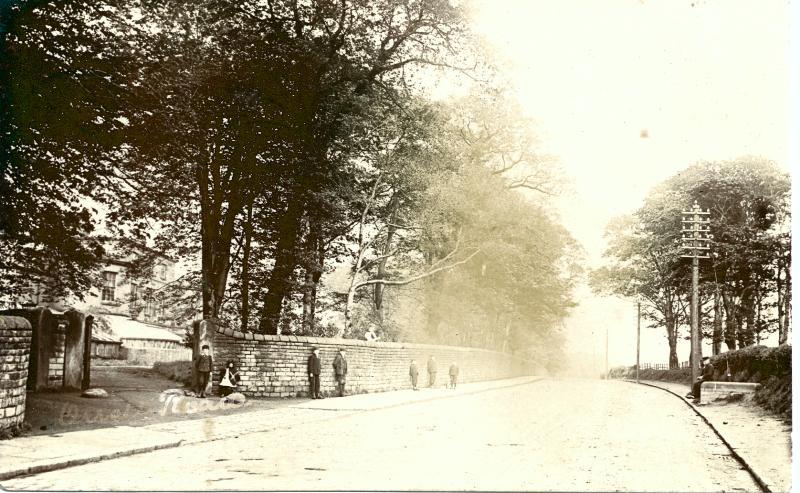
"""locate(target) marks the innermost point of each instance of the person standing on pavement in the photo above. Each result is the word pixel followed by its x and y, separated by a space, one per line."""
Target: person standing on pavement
pixel 314 369
pixel 203 365
pixel 431 371
pixel 413 372
pixel 340 371
pixel 453 375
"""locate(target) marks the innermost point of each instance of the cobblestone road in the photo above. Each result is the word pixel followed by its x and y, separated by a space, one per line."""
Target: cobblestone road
pixel 572 435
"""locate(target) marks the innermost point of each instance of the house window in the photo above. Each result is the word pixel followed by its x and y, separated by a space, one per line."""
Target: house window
pixel 162 272
pixel 109 286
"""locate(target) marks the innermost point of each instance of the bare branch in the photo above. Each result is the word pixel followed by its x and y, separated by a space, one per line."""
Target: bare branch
pixel 401 282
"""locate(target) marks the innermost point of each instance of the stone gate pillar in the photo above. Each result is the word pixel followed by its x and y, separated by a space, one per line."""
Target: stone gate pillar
pixel 15 347
pixel 42 343
pixel 87 353
pixel 74 349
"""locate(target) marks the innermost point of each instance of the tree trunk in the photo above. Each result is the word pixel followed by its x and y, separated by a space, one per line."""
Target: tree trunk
pixel 779 304
pixel 731 321
pixel 672 335
pixel 248 235
pixel 377 289
pixel 716 342
pixel 216 236
pixel 314 260
pixel 783 334
pixel 279 283
pixel 506 336
pixel 348 313
pixel 747 312
pixel 759 324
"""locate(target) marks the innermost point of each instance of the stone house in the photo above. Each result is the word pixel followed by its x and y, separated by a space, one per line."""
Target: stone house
pixel 124 289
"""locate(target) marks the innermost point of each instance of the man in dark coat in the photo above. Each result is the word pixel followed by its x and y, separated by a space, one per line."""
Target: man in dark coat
pixel 453 375
pixel 203 365
pixel 431 371
pixel 314 369
pixel 413 372
pixel 707 376
pixel 340 371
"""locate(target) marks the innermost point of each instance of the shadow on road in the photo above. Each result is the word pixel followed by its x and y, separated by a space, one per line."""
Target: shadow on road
pixel 134 400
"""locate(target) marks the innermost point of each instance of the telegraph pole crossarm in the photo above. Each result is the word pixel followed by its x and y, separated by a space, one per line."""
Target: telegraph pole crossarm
pixel 695 238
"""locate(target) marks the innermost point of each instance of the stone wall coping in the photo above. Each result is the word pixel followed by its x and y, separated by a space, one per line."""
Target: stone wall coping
pixel 332 341
pixel 14 322
pixel 732 386
pixel 148 339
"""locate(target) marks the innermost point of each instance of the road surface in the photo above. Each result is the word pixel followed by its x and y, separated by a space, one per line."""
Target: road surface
pixel 572 435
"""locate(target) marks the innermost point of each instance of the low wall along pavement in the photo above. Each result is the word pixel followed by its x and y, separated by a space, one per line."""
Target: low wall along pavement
pixel 275 366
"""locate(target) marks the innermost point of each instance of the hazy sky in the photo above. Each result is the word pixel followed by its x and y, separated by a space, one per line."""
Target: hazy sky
pixel 629 92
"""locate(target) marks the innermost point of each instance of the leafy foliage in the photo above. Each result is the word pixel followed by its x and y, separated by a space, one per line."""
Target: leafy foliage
pixel 745 284
pixel 253 136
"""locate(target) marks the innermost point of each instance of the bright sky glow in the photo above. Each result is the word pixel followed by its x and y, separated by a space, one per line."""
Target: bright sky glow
pixel 629 92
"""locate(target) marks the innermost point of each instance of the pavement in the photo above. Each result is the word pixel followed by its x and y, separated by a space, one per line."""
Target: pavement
pixel 134 399
pixel 36 454
pixel 761 441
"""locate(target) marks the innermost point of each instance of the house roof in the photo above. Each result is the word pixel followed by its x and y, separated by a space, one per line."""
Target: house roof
pixel 126 328
pixel 98 337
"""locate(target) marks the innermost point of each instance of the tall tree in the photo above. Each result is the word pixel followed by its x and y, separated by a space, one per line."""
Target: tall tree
pixel 226 105
pixel 748 199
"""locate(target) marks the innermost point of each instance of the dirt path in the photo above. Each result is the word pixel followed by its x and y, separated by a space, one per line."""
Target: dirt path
pixel 134 400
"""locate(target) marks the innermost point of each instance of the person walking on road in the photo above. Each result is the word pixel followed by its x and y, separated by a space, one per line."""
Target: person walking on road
pixel 413 372
pixel 431 371
pixel 203 365
pixel 314 369
pixel 453 375
pixel 340 371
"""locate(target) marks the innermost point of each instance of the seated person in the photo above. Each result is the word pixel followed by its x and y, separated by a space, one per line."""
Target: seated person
pixel 370 335
pixel 229 379
pixel 707 376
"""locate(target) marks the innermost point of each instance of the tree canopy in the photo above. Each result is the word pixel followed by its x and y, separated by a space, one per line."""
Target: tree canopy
pixel 272 141
pixel 745 285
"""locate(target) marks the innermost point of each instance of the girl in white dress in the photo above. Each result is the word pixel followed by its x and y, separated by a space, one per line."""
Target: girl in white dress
pixel 229 379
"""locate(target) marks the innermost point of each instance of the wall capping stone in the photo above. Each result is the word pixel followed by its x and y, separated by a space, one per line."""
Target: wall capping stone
pixel 275 365
pixel 335 341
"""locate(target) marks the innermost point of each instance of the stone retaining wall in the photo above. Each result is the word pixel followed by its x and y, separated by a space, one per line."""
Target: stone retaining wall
pixel 148 356
pixel 275 366
pixel 150 343
pixel 15 348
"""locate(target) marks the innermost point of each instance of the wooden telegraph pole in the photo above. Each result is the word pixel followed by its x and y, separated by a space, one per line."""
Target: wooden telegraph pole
pixel 638 334
pixel 695 237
